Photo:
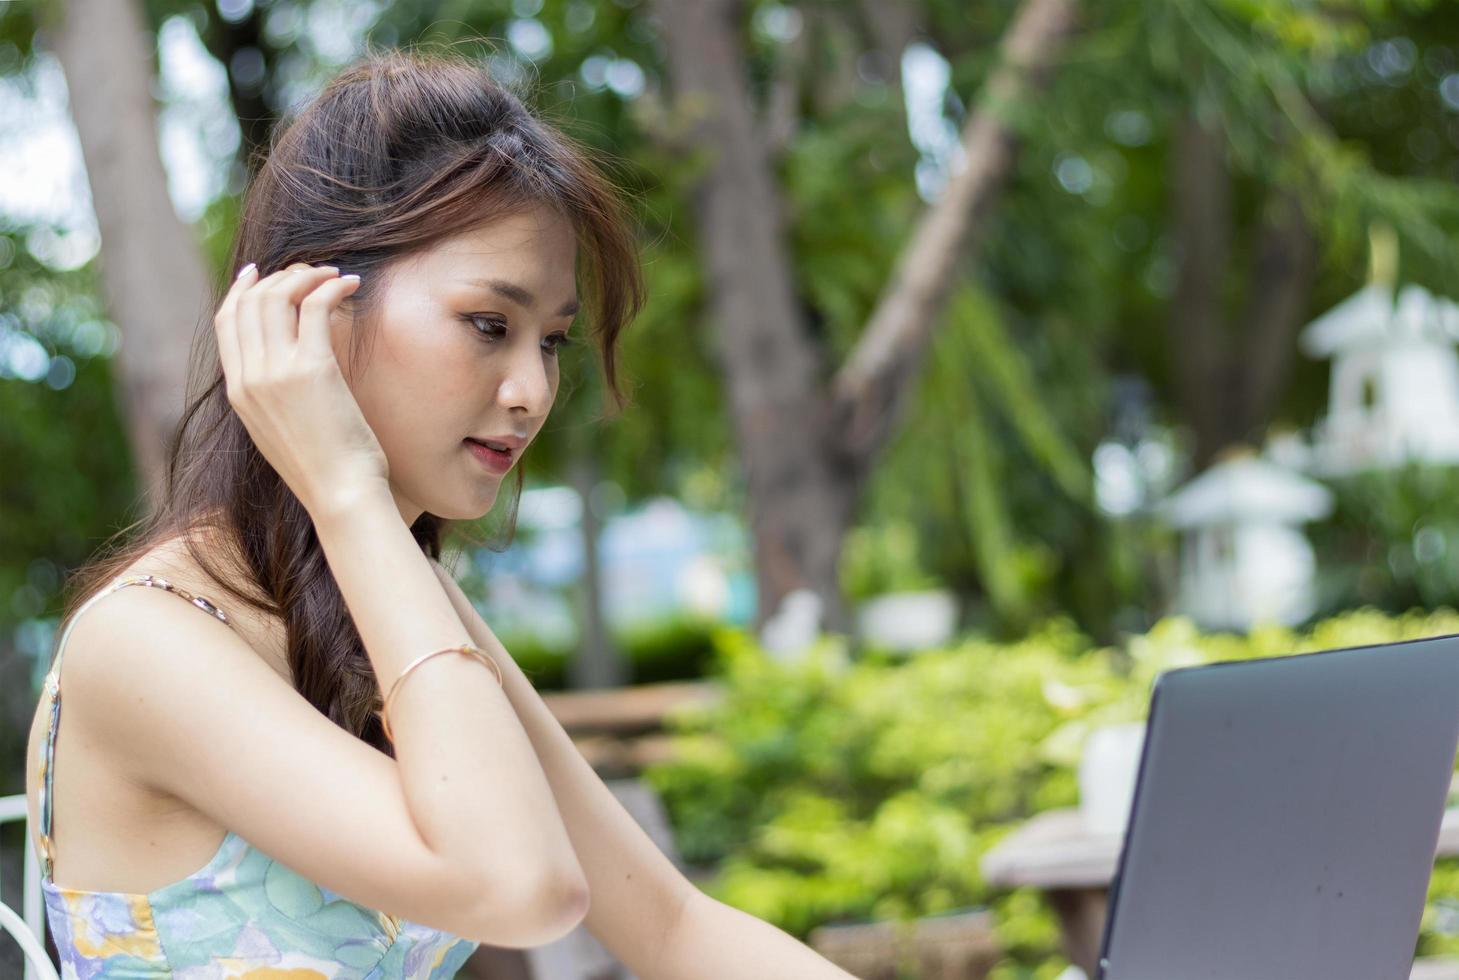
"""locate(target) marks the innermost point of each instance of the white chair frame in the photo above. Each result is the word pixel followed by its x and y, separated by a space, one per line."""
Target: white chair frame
pixel 29 927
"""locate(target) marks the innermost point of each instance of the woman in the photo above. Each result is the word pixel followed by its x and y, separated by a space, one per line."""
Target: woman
pixel 313 755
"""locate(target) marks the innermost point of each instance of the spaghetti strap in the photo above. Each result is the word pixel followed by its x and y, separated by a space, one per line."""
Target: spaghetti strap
pixel 52 691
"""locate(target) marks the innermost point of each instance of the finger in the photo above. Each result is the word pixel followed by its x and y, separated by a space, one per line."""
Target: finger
pixel 248 326
pixel 296 280
pixel 260 288
pixel 225 324
pixel 281 307
pixel 316 311
pixel 258 315
pixel 248 322
pixel 245 277
pixel 278 274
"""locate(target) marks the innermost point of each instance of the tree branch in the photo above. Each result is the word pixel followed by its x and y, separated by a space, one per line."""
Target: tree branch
pixel 871 386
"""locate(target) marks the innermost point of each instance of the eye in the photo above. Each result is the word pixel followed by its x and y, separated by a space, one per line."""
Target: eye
pixel 492 324
pixel 487 327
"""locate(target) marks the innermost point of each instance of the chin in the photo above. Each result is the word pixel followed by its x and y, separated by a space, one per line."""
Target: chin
pixel 452 498
pixel 478 507
pixel 459 513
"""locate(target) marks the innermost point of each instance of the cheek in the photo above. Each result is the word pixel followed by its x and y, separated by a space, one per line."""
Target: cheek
pixel 414 390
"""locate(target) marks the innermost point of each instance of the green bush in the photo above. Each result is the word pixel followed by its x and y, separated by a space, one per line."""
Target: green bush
pixel 544 663
pixel 1391 539
pixel 834 791
pixel 677 647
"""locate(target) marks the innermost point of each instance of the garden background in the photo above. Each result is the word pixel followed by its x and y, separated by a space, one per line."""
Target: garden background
pixel 945 297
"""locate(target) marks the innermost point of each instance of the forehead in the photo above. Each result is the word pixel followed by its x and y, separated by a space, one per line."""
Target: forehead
pixel 538 244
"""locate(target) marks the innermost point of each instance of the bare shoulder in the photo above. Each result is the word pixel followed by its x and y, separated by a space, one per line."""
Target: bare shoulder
pixel 173 560
pixel 138 611
pixel 147 612
pixel 115 820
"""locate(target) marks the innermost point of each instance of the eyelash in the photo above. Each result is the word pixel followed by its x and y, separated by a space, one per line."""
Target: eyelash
pixel 563 340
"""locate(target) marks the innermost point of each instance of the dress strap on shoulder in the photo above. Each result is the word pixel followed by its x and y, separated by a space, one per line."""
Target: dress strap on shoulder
pixel 161 583
pixel 52 692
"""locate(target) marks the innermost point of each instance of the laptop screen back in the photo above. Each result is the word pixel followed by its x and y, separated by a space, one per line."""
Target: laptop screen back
pixel 1286 816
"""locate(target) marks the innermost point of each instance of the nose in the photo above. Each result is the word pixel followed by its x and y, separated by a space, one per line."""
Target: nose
pixel 526 383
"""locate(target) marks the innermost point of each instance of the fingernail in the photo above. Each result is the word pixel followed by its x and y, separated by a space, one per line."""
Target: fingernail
pixel 352 276
pixel 245 270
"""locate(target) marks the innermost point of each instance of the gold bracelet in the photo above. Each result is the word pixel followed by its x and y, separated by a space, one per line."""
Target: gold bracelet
pixel 466 648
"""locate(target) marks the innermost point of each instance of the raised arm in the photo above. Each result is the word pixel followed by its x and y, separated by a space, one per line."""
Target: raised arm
pixel 471 778
pixel 460 832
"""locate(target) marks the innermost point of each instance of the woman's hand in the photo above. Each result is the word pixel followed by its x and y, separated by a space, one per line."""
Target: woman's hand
pixel 285 384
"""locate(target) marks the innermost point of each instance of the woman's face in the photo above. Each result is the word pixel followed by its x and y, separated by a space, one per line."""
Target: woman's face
pixel 465 346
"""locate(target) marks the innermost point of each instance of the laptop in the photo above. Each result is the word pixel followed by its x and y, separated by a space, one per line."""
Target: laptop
pixel 1285 817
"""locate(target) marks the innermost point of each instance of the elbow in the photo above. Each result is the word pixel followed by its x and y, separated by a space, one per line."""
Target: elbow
pixel 565 906
pixel 534 916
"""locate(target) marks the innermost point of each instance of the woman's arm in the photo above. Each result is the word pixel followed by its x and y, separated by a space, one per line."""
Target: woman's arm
pixel 715 941
pixel 471 779
pixel 648 915
pixel 637 893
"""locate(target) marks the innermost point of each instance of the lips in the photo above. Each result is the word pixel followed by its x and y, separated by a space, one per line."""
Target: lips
pixel 498 460
pixel 493 445
pixel 502 440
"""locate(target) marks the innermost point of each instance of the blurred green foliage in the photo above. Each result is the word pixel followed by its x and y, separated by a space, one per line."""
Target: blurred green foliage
pixel 832 790
pixel 1439 929
pixel 1069 291
pixel 1391 539
pixel 677 647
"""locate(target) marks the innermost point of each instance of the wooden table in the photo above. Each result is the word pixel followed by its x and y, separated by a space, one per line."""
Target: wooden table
pixel 1073 867
pixel 620 730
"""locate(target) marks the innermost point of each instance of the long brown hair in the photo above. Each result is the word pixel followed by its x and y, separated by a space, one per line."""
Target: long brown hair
pixel 400 150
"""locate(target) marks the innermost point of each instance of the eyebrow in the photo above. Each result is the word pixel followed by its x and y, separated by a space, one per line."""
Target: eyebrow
pixel 520 296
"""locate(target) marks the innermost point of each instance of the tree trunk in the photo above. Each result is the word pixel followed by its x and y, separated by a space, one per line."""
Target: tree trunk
pixel 597 663
pixel 890 26
pixel 152 274
pixel 799 503
pixel 1283 270
pixel 807 447
pixel 1201 211
pixel 1229 374
pixel 234 44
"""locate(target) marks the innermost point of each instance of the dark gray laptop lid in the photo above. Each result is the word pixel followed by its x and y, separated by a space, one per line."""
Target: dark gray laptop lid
pixel 1286 815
